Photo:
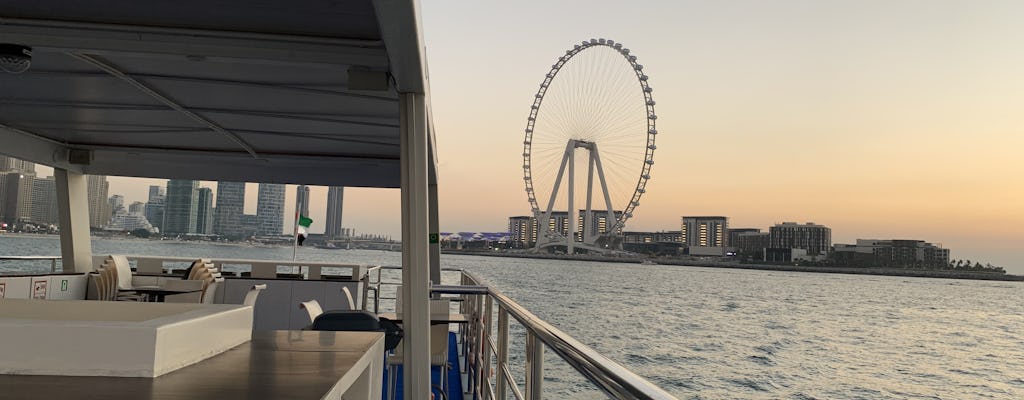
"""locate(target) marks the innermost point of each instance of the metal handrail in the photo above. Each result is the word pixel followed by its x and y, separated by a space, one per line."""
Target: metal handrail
pixel 611 377
pixel 52 259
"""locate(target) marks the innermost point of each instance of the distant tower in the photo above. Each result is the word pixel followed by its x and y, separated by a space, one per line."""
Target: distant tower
pixel 204 211
pixel 181 206
pixel 335 204
pixel 44 201
pixel 99 210
pixel 230 207
pixel 305 200
pixel 270 209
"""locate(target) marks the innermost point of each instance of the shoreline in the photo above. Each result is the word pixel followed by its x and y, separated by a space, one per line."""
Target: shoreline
pixel 912 273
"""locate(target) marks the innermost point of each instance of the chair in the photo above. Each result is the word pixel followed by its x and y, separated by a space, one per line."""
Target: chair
pixel 107 287
pixel 254 292
pixel 196 286
pixel 312 307
pixel 438 348
pixel 348 296
pixel 359 320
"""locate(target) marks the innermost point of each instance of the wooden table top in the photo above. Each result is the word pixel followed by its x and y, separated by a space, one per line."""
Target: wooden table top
pixel 274 365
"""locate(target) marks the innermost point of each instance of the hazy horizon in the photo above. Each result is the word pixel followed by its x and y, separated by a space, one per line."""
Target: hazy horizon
pixel 881 120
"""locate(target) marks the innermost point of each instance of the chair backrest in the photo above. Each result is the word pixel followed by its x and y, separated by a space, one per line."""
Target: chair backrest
pixel 440 306
pixel 312 307
pixel 107 283
pixel 439 341
pixel 101 285
pixel 124 271
pixel 348 296
pixel 254 293
pixel 211 290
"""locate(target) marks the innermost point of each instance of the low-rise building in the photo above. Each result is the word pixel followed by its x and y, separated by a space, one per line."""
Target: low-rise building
pixel 891 253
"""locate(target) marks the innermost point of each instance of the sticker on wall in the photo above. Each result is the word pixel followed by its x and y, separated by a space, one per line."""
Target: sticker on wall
pixel 63 285
pixel 39 290
pixel 3 289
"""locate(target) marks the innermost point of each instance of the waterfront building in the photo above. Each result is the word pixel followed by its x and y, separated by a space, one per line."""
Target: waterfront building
pixel 733 233
pixel 44 201
pixel 304 196
pixel 155 211
pixel 704 231
pixel 270 209
pixel 204 211
pixel 227 215
pixel 751 245
pixel 595 224
pixel 181 206
pixel 816 239
pixel 249 225
pixel 522 231
pixel 116 202
pixel 12 165
pixel 99 209
pixel 155 192
pixel 127 222
pixel 891 253
pixel 17 197
pixel 137 207
pixel 335 205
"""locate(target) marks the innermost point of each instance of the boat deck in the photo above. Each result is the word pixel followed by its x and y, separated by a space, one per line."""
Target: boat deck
pixel 454 377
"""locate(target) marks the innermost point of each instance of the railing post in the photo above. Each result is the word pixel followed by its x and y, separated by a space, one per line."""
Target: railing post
pixel 502 352
pixel 488 370
pixel 534 366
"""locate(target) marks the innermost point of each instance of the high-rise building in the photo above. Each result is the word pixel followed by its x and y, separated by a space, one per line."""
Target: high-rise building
pixel 304 195
pixel 816 239
pixel 204 212
pixel 704 231
pixel 227 220
pixel 44 201
pixel 137 207
pixel 270 209
pixel 596 224
pixel 335 204
pixel 99 210
pixel 521 231
pixel 116 202
pixel 155 192
pixel 11 164
pixel 181 206
pixel 17 198
pixel 155 211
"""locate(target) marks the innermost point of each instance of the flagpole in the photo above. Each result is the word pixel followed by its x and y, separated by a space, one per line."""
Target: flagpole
pixel 295 223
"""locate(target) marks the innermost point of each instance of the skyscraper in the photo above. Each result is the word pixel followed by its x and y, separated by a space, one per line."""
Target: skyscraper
pixel 99 212
pixel 335 205
pixel 304 209
pixel 17 197
pixel 230 206
pixel 180 207
pixel 44 201
pixel 8 164
pixel 204 212
pixel 155 192
pixel 270 209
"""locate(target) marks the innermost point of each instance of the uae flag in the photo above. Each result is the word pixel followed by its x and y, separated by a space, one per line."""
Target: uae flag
pixel 304 222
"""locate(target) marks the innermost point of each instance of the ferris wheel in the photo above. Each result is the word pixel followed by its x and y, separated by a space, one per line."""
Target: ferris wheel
pixel 595 99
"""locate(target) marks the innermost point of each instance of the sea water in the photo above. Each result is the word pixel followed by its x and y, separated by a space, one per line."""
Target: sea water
pixel 706 333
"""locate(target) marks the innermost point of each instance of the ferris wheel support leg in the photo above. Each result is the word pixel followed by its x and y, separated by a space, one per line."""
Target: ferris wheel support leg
pixel 610 226
pixel 589 232
pixel 546 224
pixel 571 213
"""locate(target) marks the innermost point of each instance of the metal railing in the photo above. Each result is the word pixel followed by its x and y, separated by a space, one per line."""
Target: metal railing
pixel 53 260
pixel 481 301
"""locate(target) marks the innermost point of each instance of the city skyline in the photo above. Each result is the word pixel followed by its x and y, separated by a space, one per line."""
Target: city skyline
pixel 880 120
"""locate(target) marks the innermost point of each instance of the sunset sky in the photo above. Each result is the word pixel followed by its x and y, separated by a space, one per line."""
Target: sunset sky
pixel 879 119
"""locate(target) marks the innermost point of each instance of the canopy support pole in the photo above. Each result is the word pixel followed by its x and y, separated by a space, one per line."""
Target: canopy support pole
pixel 415 246
pixel 73 206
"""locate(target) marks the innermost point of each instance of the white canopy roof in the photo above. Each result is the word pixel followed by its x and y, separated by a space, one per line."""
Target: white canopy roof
pixel 258 91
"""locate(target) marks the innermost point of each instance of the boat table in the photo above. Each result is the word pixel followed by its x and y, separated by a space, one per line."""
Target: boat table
pixel 274 365
pixel 435 318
